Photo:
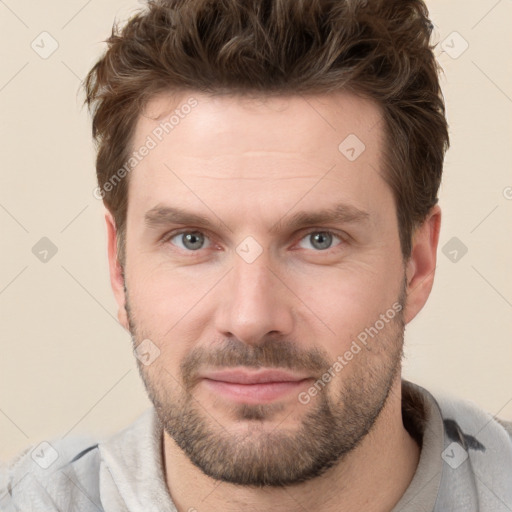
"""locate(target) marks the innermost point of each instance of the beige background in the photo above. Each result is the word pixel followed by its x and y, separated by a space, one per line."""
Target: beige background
pixel 66 366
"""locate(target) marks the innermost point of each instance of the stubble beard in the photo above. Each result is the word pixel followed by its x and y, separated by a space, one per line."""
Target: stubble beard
pixel 333 426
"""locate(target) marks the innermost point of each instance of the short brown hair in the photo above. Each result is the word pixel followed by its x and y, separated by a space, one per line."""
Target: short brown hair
pixel 378 49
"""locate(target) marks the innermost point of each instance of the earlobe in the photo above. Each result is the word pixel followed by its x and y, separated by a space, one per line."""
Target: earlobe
pixel 420 268
pixel 116 270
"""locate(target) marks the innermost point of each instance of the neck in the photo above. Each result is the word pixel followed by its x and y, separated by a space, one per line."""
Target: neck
pixel 384 461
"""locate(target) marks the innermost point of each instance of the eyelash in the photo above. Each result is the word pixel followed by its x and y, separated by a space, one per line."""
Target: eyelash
pixel 343 238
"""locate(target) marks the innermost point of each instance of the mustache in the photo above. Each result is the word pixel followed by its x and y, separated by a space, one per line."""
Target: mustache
pixel 272 353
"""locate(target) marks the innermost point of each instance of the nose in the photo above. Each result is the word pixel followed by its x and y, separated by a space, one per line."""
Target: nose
pixel 254 302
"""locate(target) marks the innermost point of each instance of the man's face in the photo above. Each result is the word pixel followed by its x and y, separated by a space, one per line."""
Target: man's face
pixel 260 281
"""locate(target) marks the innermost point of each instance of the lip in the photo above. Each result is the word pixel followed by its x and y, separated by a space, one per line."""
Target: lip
pixel 254 387
pixel 253 377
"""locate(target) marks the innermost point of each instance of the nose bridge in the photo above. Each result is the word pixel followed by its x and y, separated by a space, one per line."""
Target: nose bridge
pixel 253 302
pixel 254 280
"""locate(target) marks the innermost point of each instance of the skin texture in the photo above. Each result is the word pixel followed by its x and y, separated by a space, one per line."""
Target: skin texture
pixel 248 165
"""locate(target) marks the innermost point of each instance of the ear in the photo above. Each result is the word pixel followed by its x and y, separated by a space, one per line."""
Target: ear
pixel 420 268
pixel 116 270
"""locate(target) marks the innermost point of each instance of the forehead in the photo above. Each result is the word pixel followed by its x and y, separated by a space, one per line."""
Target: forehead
pixel 256 150
pixel 307 125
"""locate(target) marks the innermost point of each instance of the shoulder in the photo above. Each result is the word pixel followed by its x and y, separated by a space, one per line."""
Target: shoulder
pixel 51 475
pixel 507 425
pixel 469 449
pixel 466 416
pixel 477 455
pixel 65 474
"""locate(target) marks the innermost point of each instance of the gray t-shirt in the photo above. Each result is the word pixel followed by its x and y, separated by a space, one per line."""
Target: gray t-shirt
pixel 465 465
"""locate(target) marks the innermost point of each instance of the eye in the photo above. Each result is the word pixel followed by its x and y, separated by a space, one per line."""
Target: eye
pixel 320 240
pixel 189 240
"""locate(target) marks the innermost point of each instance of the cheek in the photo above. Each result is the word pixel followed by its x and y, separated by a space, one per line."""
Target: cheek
pixel 166 305
pixel 162 380
pixel 344 302
pixel 160 296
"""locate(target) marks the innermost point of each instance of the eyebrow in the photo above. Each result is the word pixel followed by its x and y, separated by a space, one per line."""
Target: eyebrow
pixel 339 214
